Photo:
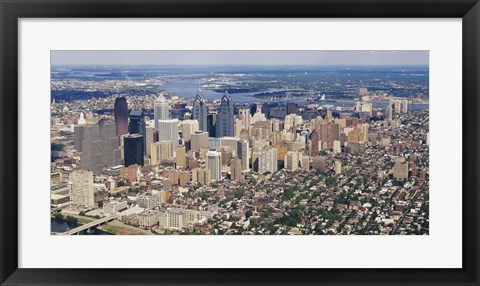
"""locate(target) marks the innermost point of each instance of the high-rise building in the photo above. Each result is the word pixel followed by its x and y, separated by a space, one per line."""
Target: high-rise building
pixel 188 128
pixel 225 117
pixel 405 106
pixel 400 170
pixel 336 147
pixel 198 140
pixel 328 132
pixel 150 133
pixel 200 111
pixel 268 161
pixel 227 155
pixel 292 120
pixel 212 124
pixel 161 150
pixel 161 109
pixel 202 176
pixel 120 112
pixel 181 157
pixel 82 192
pixel 133 149
pixel 291 160
pixel 388 113
pixel 100 147
pixel 319 163
pixel 242 153
pixel 236 173
pixel 244 115
pixel 168 130
pixel 338 167
pixel 137 126
pixel 361 91
pixel 230 142
pixel 214 164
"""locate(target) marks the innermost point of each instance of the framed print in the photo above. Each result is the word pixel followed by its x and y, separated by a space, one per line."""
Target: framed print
pixel 230 142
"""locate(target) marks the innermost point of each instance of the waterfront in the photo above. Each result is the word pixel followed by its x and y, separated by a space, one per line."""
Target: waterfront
pixel 62 226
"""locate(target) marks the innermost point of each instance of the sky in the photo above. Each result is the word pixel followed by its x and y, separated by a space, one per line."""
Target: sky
pixel 240 58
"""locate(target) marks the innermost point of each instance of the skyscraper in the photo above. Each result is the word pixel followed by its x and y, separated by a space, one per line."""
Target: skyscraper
pixel 200 111
pixel 212 124
pixel 188 128
pixel 242 153
pixel 120 111
pixel 225 117
pixel 291 160
pixel 137 126
pixel 161 109
pixel 198 140
pixel 161 150
pixel 99 146
pixel 236 173
pixel 82 190
pixel 133 149
pixel 168 130
pixel 268 161
pixel 214 164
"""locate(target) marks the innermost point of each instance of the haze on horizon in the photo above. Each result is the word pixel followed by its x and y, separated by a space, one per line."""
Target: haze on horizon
pixel 239 58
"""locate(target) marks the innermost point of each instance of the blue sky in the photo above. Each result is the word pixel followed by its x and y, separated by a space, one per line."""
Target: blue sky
pixel 239 58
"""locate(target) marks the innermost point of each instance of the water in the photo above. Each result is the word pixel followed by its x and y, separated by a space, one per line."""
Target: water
pixel 56 226
pixel 187 88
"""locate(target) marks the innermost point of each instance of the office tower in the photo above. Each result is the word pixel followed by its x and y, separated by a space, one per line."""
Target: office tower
pixel 405 106
pixel 244 115
pixel 338 167
pixel 198 140
pixel 82 192
pixel 314 144
pixel 200 111
pixel 100 147
pixel 397 107
pixel 212 124
pixel 258 114
pixel 133 149
pixel 181 157
pixel 161 109
pixel 238 127
pixel 388 113
pixel 329 113
pixel 400 170
pixel 214 164
pixel 137 126
pixel 230 142
pixel 328 132
pixel 227 155
pixel 291 160
pixel 242 153
pixel 319 163
pixel 225 117
pixel 365 131
pixel 292 120
pixel 150 133
pixel 268 161
pixel 202 176
pixel 168 130
pixel 336 147
pixel 305 162
pixel 78 131
pixel 188 128
pixel 236 173
pixel 120 112
pixel 161 150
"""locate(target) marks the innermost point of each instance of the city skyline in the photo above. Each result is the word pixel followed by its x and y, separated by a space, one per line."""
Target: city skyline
pixel 258 151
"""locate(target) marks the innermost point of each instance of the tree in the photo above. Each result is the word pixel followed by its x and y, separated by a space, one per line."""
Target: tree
pixel 56 146
pixel 248 213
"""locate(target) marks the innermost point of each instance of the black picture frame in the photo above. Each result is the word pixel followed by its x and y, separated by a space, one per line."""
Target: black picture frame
pixel 11 11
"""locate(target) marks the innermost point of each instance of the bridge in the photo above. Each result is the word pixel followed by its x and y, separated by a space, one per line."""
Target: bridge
pixel 88 225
